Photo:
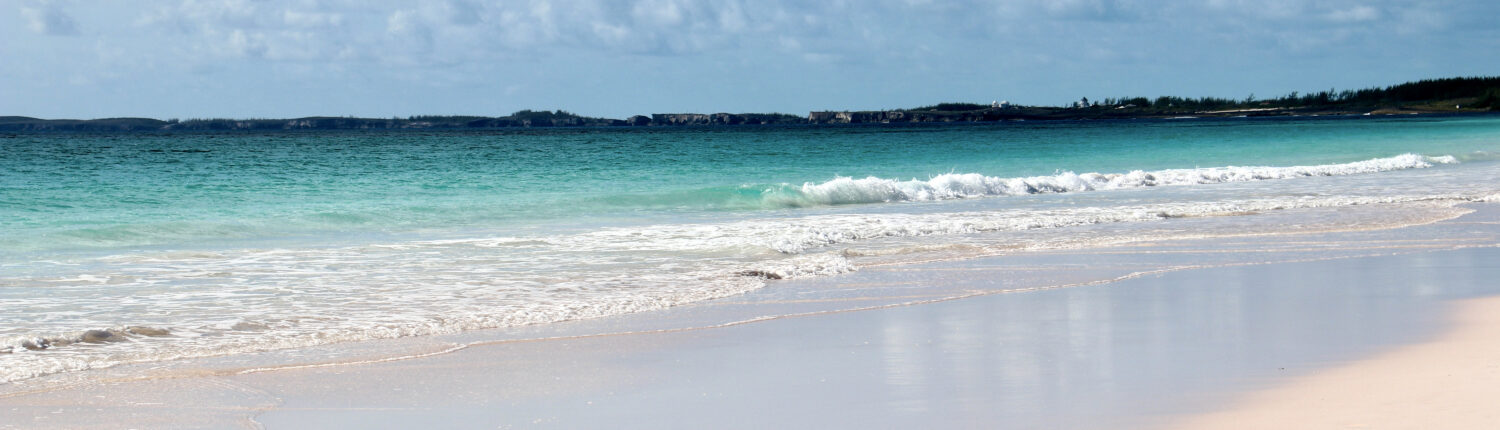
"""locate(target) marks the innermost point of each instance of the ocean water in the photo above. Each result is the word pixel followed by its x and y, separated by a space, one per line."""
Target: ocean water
pixel 140 248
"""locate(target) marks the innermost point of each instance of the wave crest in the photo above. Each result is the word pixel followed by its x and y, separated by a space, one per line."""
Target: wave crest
pixel 847 190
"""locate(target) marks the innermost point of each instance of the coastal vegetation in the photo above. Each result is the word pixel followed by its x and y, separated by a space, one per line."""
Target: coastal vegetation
pixel 1448 95
pixel 952 107
pixel 1477 92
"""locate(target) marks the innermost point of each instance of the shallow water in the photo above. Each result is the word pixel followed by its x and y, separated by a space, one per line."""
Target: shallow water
pixel 197 244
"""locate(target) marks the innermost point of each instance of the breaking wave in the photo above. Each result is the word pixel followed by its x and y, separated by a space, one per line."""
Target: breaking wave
pixel 848 190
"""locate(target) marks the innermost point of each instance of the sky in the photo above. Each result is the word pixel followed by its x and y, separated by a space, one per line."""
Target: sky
pixel 616 58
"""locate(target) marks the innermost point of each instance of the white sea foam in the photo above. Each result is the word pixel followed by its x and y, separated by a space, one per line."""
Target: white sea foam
pixel 847 190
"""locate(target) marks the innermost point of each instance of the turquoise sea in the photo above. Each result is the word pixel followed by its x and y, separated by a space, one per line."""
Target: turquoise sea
pixel 144 247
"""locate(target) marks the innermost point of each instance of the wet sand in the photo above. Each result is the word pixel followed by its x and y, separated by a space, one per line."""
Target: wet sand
pixel 1185 331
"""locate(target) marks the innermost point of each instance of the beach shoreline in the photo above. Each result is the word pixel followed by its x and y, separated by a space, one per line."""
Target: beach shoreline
pixel 1145 335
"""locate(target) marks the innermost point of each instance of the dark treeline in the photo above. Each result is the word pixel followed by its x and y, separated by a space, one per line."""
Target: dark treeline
pixel 1472 92
pixel 952 107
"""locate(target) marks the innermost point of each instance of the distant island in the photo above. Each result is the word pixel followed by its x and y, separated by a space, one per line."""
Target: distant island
pixel 1450 95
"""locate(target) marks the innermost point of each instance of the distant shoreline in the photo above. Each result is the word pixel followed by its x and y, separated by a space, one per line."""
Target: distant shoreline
pixel 14 124
pixel 1448 96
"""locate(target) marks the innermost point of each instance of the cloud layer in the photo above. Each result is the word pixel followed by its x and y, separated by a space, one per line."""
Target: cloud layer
pixel 383 57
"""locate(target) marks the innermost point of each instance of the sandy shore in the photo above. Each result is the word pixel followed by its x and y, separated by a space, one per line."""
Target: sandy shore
pixel 1451 382
pixel 1387 329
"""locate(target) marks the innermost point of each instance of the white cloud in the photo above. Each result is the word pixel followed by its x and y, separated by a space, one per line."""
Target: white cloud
pixel 249 45
pixel 1361 13
pixel 658 13
pixel 402 22
pixel 305 19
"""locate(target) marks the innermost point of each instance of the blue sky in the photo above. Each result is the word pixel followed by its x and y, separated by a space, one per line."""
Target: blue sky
pixel 615 58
